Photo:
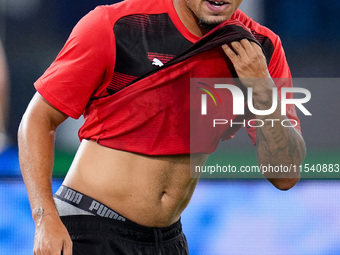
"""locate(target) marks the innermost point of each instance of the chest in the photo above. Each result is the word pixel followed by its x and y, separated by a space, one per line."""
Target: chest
pixel 143 44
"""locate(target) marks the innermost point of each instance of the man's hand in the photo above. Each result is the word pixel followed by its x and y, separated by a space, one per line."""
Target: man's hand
pixel 248 60
pixel 51 236
pixel 251 67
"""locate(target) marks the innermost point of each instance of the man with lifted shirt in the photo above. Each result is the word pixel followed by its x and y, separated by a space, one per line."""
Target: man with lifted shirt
pixel 124 193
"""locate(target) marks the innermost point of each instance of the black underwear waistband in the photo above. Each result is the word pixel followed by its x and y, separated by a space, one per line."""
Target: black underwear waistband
pixel 108 219
pixel 87 203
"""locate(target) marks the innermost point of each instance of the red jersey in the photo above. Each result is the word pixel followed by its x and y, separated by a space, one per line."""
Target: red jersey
pixel 127 68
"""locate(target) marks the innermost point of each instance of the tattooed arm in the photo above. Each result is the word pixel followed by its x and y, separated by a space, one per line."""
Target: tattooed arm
pixel 276 145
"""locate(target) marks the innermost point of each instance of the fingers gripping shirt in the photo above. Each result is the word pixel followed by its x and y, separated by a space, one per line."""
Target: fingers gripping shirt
pixel 127 68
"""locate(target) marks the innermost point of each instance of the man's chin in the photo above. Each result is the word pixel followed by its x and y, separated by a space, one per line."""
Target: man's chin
pixel 208 25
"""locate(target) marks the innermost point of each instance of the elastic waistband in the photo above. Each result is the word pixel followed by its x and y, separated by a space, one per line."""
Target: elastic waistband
pixel 108 220
pixel 87 203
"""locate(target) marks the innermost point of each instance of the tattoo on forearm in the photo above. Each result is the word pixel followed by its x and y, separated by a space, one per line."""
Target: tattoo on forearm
pixel 272 141
pixel 277 144
pixel 294 151
pixel 265 136
pixel 40 213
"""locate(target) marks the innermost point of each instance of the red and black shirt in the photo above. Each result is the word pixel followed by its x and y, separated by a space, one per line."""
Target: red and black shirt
pixel 127 67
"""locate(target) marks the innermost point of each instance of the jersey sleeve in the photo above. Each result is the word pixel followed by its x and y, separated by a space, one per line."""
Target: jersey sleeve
pixel 80 66
pixel 280 73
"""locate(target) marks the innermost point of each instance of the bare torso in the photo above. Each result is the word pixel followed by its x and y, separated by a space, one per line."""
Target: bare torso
pixel 149 190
